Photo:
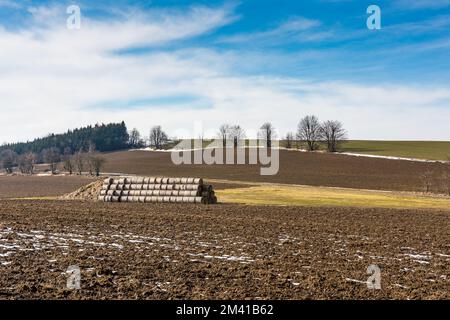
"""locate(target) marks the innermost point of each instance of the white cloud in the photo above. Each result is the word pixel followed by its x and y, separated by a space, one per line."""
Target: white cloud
pixel 9 4
pixel 51 77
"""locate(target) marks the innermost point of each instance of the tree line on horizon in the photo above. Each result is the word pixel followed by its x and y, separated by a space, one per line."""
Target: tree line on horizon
pixel 80 148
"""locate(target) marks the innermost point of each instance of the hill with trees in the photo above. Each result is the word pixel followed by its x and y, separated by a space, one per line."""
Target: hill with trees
pixel 104 137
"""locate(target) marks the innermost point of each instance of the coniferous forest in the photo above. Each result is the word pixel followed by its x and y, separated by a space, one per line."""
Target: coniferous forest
pixel 102 137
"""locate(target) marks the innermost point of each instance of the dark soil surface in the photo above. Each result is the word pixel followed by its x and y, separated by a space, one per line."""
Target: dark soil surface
pixel 314 169
pixel 134 251
pixel 35 186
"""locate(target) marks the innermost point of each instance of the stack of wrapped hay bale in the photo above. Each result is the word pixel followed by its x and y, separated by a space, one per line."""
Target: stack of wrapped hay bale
pixel 156 189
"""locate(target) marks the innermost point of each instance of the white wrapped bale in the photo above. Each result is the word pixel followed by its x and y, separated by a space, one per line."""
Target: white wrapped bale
pixel 164 180
pixel 198 181
pixel 179 199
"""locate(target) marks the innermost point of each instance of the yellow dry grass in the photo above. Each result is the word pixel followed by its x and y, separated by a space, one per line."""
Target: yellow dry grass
pixel 323 196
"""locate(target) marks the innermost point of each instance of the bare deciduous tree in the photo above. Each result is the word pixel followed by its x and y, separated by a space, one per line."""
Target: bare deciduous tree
pixel 309 130
pixel 267 133
pixel 52 156
pixel 158 138
pixel 78 161
pixel 8 160
pixel 334 134
pixel 27 162
pixel 427 179
pixel 289 140
pixel 236 134
pixel 135 140
pixel 96 162
pixel 445 181
pixel 68 161
pixel 224 133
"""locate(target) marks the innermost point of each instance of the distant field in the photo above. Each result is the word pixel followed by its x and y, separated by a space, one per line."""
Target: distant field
pixel 34 186
pixel 303 168
pixel 428 150
pixel 432 150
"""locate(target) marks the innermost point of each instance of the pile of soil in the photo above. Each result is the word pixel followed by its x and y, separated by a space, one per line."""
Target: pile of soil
pixel 89 192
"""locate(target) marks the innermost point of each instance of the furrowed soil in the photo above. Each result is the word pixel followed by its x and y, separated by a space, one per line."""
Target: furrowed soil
pixel 315 169
pixel 169 251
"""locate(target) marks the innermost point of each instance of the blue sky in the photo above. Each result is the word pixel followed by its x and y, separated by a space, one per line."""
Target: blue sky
pixel 247 62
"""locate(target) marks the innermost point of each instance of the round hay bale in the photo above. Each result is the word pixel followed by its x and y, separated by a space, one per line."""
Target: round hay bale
pixel 158 180
pixel 146 180
pixel 207 187
pixel 179 199
pixel 186 199
pixel 164 180
pixel 160 199
pixel 108 180
pixel 191 199
pixel 151 180
pixel 172 199
pixel 184 180
pixel 141 199
pixel 198 181
pixel 103 192
pixel 166 199
pixel 154 199
pixel 190 180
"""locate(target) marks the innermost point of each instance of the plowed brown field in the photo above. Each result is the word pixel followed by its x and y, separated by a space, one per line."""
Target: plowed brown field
pixel 316 169
pixel 224 251
pixel 35 186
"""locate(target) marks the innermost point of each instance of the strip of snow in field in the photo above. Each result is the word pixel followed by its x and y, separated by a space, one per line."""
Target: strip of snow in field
pixel 299 150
